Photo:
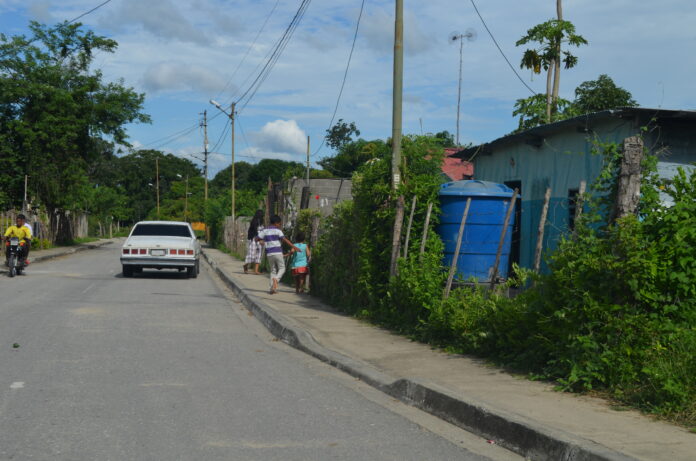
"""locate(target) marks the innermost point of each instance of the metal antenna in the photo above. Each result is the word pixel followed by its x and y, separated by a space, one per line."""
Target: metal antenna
pixel 469 35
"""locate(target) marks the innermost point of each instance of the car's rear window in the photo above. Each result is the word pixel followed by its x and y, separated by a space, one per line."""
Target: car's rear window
pixel 169 230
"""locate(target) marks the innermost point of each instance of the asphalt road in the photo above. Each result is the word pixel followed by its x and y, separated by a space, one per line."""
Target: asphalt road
pixel 94 366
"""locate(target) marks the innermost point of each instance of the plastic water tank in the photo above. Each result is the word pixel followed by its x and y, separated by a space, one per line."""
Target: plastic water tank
pixel 484 224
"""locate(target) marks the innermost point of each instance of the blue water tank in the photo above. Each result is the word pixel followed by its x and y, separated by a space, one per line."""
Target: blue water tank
pixel 484 224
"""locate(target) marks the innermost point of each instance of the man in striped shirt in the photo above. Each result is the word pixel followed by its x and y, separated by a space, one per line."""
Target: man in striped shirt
pixel 272 238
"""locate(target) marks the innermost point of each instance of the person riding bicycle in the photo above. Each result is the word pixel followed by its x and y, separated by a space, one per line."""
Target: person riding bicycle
pixel 23 233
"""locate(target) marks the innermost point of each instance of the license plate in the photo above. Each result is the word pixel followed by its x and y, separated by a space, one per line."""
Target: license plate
pixel 157 252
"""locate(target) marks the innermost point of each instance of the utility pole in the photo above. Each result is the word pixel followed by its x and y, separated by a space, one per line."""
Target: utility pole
pixel 232 108
pixel 396 130
pixel 307 161
pixel 231 116
pixel 157 185
pixel 397 93
pixel 24 203
pixel 186 201
pixel 205 155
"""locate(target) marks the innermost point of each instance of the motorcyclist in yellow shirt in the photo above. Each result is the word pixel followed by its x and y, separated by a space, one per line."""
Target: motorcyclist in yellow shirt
pixel 23 233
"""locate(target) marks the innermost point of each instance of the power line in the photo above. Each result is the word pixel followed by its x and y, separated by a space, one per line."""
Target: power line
pixel 88 12
pixel 275 55
pixel 345 75
pixel 258 34
pixel 500 49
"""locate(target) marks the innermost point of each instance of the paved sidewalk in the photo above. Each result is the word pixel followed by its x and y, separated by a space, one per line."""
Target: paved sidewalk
pixel 530 418
pixel 36 256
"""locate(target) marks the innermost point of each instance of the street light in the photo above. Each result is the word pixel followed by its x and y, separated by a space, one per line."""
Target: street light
pixel 186 194
pixel 230 114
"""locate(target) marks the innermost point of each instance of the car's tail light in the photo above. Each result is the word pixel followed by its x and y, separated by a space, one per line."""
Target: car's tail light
pixel 126 251
pixel 143 251
pixel 182 252
pixel 172 251
pixel 189 252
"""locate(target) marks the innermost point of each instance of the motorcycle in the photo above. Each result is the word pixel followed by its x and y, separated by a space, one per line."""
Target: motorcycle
pixel 15 260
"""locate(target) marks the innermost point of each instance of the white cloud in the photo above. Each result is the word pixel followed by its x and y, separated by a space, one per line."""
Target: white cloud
pixel 281 136
pixel 170 75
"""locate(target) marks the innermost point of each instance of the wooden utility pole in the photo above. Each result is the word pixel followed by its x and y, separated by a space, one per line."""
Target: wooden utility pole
pixel 556 65
pixel 397 93
pixel 503 232
pixel 157 185
pixel 628 194
pixel 396 130
pixel 232 108
pixel 540 231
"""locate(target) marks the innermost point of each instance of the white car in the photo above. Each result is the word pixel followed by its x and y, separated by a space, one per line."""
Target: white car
pixel 161 245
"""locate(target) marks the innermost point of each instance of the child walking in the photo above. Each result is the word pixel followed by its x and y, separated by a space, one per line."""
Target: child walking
pixel 300 262
pixel 272 238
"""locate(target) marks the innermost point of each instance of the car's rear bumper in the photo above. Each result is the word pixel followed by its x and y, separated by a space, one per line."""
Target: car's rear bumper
pixel 150 262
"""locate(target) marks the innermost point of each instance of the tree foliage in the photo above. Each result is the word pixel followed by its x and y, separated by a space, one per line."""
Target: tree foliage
pixel 550 36
pixel 57 114
pixel 601 94
pixel 340 134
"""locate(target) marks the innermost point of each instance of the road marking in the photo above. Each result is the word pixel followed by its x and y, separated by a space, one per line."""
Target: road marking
pixel 17 385
pixel 88 288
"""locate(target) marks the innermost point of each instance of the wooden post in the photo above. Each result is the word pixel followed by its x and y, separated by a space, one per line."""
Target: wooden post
pixel 511 207
pixel 426 227
pixel 396 240
pixel 540 232
pixel 455 256
pixel 408 228
pixel 580 199
pixel 628 194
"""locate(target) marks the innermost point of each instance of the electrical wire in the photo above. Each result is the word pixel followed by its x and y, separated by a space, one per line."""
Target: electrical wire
pixel 275 55
pixel 345 75
pixel 88 12
pixel 500 49
pixel 258 34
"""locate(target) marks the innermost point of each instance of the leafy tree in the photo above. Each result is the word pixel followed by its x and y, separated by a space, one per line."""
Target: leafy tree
pixel 352 155
pixel 136 175
pixel 55 112
pixel 550 36
pixel 532 111
pixel 447 138
pixel 341 134
pixel 601 94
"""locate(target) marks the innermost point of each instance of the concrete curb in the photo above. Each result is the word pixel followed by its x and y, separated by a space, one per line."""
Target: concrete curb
pixel 64 252
pixel 514 432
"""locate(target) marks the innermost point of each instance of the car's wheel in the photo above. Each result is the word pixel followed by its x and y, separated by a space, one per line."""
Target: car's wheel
pixel 127 271
pixel 192 272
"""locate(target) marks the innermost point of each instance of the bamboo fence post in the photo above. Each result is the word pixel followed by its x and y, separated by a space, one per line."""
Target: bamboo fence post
pixel 540 232
pixel 511 207
pixel 425 228
pixel 580 200
pixel 455 256
pixel 408 228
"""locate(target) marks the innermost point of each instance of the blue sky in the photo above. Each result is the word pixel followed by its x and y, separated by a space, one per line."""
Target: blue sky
pixel 183 53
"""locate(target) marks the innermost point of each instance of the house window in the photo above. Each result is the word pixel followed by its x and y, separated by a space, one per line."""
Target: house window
pixel 572 206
